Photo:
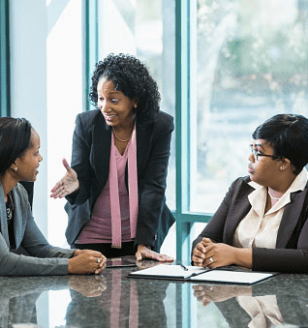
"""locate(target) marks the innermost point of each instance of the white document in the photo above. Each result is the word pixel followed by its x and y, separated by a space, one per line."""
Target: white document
pixel 232 277
pixel 169 270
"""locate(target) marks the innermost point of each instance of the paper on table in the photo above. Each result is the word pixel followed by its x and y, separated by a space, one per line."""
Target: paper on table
pixel 235 277
pixel 169 270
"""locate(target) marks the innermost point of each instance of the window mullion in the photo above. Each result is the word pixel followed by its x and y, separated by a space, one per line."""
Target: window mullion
pixel 182 122
pixel 4 59
pixel 91 42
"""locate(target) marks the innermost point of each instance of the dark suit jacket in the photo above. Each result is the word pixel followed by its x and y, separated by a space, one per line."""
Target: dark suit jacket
pixel 90 159
pixel 291 252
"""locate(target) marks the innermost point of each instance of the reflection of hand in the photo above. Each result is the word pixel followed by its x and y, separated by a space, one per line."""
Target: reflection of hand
pixel 145 253
pixel 145 264
pixel 218 293
pixel 89 286
pixel 67 185
pixel 86 261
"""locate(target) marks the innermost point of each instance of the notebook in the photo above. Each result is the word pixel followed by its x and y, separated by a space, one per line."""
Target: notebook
pixel 226 275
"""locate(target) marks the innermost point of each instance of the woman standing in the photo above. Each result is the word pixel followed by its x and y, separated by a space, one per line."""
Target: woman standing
pixel 19 160
pixel 116 184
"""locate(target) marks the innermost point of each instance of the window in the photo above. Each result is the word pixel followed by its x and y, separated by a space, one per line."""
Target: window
pixel 47 87
pixel 241 62
pixel 249 63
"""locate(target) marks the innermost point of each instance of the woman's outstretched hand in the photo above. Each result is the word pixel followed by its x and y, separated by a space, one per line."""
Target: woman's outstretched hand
pixel 67 185
pixel 145 253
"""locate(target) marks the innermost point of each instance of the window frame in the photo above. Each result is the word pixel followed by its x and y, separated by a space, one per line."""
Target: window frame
pixel 5 104
pixel 184 12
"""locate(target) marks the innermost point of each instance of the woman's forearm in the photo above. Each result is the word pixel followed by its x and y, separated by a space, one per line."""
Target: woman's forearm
pixel 243 257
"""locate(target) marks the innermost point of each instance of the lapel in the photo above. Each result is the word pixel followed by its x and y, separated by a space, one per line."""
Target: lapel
pixel 3 218
pixel 240 207
pixel 20 216
pixel 290 218
pixel 101 139
pixel 143 132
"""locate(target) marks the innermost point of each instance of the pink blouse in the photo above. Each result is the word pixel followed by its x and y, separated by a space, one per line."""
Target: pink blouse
pixel 99 229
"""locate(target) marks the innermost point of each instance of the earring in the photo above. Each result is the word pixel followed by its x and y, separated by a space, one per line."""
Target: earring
pixel 16 169
pixel 282 167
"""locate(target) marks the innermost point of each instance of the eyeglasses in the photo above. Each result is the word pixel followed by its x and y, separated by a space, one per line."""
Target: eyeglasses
pixel 258 154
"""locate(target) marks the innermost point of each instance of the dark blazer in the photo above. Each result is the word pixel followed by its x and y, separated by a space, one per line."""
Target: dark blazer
pixel 291 252
pixel 90 159
pixel 43 259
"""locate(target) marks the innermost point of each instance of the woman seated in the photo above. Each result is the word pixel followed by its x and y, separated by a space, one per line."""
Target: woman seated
pixel 19 160
pixel 116 185
pixel 262 222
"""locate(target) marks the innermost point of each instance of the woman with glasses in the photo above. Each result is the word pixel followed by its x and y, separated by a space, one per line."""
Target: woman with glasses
pixel 262 222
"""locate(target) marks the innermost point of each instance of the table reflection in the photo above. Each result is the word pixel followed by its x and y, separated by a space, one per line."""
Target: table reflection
pixel 18 297
pixel 108 300
pixel 122 303
pixel 274 303
pixel 113 300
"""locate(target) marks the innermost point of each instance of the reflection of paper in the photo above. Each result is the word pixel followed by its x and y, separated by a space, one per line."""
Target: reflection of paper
pixel 167 270
pixel 234 277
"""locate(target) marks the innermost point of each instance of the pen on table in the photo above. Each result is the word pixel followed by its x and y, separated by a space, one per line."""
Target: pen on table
pixel 182 265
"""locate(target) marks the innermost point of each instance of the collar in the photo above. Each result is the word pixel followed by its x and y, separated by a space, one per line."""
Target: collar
pixel 258 197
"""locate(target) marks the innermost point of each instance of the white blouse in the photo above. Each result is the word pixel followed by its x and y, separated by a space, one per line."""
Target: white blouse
pixel 260 229
pixel 262 310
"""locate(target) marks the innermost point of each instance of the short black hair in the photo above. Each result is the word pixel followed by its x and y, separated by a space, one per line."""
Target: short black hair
pixel 131 77
pixel 15 139
pixel 288 135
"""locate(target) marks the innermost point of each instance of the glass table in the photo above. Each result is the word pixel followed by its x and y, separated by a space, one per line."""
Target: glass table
pixel 114 300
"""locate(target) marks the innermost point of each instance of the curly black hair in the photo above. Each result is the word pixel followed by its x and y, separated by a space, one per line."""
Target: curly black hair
pixel 131 77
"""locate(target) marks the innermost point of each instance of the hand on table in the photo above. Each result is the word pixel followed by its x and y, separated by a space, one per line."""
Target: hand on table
pixel 86 261
pixel 212 255
pixel 67 185
pixel 145 253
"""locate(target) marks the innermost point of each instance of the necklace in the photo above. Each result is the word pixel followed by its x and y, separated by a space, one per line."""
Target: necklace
pixel 9 207
pixel 276 198
pixel 123 140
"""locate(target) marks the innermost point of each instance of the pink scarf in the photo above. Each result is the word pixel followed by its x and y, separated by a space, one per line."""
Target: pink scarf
pixel 114 191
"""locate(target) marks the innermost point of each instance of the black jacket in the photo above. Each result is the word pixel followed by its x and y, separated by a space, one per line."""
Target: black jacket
pixel 90 159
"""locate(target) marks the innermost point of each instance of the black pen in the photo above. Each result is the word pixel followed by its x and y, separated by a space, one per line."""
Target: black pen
pixel 183 266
